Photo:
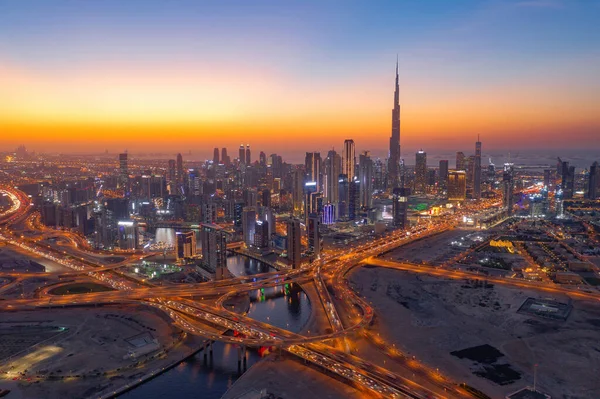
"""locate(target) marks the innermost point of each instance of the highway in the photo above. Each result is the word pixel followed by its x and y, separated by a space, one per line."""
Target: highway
pixel 575 293
pixel 193 315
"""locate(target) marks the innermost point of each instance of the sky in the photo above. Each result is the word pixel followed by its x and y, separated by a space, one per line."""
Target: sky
pixel 295 76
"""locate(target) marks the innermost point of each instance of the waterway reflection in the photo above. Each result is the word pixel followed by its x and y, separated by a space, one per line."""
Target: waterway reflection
pixel 284 307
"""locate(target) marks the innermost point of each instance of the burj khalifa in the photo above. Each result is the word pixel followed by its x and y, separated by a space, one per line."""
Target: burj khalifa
pixel 394 155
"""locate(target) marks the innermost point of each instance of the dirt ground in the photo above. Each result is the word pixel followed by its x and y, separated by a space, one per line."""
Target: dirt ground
pixel 430 318
pixel 88 356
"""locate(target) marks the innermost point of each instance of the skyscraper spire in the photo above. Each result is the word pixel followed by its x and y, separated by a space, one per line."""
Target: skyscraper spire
pixel 394 155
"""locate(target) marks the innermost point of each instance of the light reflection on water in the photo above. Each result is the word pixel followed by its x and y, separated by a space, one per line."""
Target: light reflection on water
pixel 283 307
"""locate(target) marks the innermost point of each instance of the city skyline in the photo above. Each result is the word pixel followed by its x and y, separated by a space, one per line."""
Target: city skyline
pixel 120 79
pixel 187 186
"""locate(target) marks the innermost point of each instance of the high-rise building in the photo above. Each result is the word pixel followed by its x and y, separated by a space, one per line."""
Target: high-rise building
pixel 477 171
pixel 365 174
pixel 461 162
pixel 261 235
pixel 180 172
pixel 249 224
pixel 297 191
pixel 349 159
pixel 593 181
pixel 470 164
pixel 185 244
pixel 443 175
pixel 262 159
pixel 265 197
pixel 508 187
pixel 547 177
pixel 238 212
pixel 400 207
pixel 313 203
pixel 344 194
pixel 214 249
pixel 394 154
pixel 491 173
pixel 224 157
pixel 333 166
pixel 353 198
pixel 128 234
pixel 312 231
pixel 172 177
pixel 457 185
pixel 421 172
pixel 248 159
pixel 567 180
pixel 216 156
pixel 123 172
pixel 328 214
pixel 242 155
pixel 294 248
pixel 312 164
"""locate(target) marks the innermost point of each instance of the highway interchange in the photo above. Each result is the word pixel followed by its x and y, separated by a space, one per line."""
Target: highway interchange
pixel 182 302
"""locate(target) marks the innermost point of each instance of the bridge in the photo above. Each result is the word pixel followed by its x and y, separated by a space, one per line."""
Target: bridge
pixel 191 316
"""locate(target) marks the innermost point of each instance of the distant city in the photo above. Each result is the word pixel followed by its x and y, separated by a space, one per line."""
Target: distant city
pixel 291 200
pixel 205 243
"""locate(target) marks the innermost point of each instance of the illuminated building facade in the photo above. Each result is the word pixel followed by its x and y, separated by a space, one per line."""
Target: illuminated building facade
pixel 294 248
pixel 185 244
pixel 477 171
pixel 214 249
pixel 421 172
pixel 314 238
pixel 123 172
pixel 457 185
pixel 400 207
pixel 508 187
pixel 394 153
pixel 128 234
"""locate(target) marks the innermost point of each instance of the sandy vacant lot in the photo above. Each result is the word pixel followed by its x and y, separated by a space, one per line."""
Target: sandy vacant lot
pixel 430 317
pixel 90 347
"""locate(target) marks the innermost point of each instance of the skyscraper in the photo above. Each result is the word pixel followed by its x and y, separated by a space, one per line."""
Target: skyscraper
pixel 443 175
pixel 365 174
pixel 224 156
pixel 262 158
pixel 508 186
pixel 567 180
pixel 172 177
pixel 312 164
pixel 294 249
pixel 312 231
pixel 214 249
pixel 242 155
pixel 353 198
pixel 593 181
pixel 185 244
pixel 180 173
pixel 457 185
pixel 216 156
pixel 248 161
pixel 400 207
pixel 349 159
pixel 128 234
pixel 394 155
pixel 344 193
pixel 123 172
pixel 297 191
pixel 477 171
pixel 333 166
pixel 421 172
pixel 461 161
pixel 249 224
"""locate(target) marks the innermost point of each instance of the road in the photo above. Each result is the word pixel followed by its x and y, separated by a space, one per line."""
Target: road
pixel 192 315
